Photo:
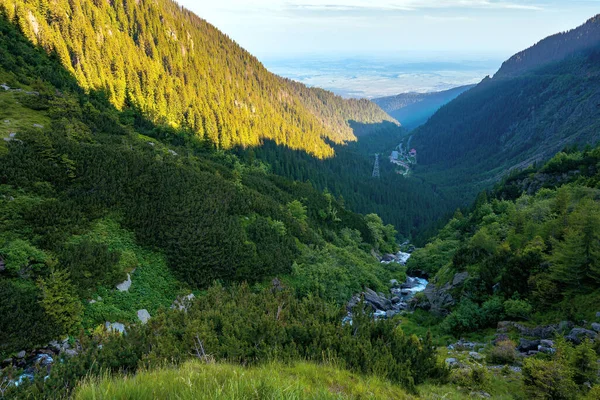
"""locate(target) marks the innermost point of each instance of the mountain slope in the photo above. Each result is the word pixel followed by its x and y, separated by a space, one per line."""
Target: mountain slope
pixel 180 70
pixel 553 48
pixel 511 122
pixel 414 109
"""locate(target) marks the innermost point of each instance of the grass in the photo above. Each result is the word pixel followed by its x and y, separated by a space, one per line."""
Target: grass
pixel 153 284
pixel 19 116
pixel 196 380
pixel 14 117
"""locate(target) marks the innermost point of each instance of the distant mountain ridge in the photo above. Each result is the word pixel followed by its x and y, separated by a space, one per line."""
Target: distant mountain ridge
pixel 413 109
pixel 515 119
pixel 553 48
pixel 182 71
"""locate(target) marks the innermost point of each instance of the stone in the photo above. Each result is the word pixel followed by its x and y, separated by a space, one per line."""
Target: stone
pixel 39 126
pixel 394 282
pixel 115 327
pixel 396 300
pixel 21 354
pixel 12 134
pixel 460 278
pixel 452 362
pixel 500 337
pixel 143 315
pixel 547 350
pixel 44 360
pixel 476 356
pixel 5 86
pixel 70 352
pixel 481 394
pixel 546 343
pixel 526 345
pixel 596 327
pixel 598 314
pixel 577 335
pixel 125 285
pixel 377 301
pixel 172 152
pixel 391 313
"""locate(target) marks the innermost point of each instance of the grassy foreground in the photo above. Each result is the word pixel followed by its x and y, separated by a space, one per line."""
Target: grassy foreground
pixel 196 380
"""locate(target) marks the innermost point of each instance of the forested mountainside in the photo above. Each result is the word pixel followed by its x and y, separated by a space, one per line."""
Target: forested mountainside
pixel 552 49
pixel 411 205
pixel 414 109
pixel 111 225
pixel 510 123
pixel 524 267
pixel 179 70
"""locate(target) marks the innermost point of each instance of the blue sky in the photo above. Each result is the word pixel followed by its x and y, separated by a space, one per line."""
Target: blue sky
pixel 293 28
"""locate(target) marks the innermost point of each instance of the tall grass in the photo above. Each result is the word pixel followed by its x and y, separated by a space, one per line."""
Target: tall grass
pixel 196 380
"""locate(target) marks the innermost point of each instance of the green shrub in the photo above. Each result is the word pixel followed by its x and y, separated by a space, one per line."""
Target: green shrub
pixel 504 352
pixel 518 309
pixel 548 380
pixel 473 377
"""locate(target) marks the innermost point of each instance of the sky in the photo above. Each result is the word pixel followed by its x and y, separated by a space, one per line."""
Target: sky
pixel 454 28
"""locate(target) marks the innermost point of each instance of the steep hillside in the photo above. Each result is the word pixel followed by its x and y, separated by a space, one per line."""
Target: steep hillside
pixel 414 109
pixel 180 70
pixel 510 122
pixel 552 49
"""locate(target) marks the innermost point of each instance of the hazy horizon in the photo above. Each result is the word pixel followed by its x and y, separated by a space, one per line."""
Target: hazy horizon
pixel 318 42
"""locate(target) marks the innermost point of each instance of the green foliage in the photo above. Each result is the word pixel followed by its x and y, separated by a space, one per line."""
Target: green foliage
pixel 59 301
pixel 517 309
pixel 91 264
pixel 504 352
pixel 384 235
pixel 548 380
pixel 182 72
pixel 469 316
pixel 24 323
pixel 195 380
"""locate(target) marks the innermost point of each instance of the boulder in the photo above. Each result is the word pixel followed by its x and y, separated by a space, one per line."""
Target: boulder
pixel 377 301
pixel 394 282
pixel 528 345
pixel 396 300
pixel 125 285
pixel 546 343
pixel 545 349
pixel 452 362
pixel 598 314
pixel 115 327
pixel 577 335
pixel 476 356
pixel 21 354
pixel 352 303
pixel 596 327
pixel 459 278
pixel 143 315
pixel 73 352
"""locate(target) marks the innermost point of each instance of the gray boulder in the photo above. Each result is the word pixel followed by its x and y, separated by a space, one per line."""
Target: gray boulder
pixel 125 285
pixel 115 327
pixel 377 301
pixel 596 327
pixel 143 315
pixel 439 299
pixel 452 362
pixel 21 354
pixel 577 335
pixel 528 345
pixel 476 356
